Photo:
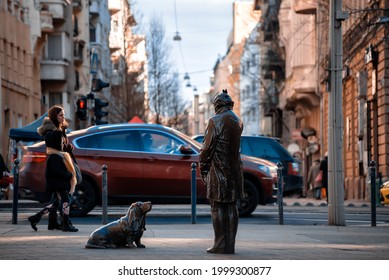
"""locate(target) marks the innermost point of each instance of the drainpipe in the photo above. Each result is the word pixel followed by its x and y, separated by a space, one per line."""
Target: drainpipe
pixel 318 93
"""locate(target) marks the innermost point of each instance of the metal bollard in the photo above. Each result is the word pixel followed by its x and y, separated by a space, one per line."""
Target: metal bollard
pixel 104 193
pixel 193 192
pixel 373 194
pixel 15 192
pixel 280 194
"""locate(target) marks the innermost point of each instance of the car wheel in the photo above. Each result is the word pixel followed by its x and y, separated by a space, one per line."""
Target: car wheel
pixel 84 200
pixel 247 205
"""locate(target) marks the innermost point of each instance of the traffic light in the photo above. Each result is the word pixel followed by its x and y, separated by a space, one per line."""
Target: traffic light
pixel 99 113
pixel 98 84
pixel 81 109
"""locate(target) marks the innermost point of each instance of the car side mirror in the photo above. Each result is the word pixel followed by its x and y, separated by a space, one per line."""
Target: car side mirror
pixel 186 149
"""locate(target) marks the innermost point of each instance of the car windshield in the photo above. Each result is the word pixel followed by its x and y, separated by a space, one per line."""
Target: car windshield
pixel 264 148
pixel 188 139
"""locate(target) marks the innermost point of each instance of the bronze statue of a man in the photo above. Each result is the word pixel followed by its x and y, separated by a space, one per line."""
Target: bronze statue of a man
pixel 222 173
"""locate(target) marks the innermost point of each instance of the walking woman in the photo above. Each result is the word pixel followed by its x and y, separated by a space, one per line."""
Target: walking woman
pixel 60 174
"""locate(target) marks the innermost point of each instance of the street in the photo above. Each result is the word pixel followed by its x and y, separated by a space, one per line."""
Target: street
pixel 263 215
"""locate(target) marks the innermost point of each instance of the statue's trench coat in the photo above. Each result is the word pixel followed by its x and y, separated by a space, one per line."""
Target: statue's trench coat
pixel 220 160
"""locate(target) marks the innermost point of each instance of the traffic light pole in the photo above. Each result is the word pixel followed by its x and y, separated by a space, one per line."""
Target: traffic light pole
pixel 95 105
pixel 91 106
pixel 335 194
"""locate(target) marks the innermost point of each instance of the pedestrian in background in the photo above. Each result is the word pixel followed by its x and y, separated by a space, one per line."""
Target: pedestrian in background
pixel 222 173
pixel 324 168
pixel 60 173
pixel 314 184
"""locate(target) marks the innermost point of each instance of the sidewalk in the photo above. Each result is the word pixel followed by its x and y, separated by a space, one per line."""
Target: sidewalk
pixel 287 201
pixel 172 241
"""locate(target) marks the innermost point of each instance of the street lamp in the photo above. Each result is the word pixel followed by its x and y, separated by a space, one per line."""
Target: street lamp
pixel 177 37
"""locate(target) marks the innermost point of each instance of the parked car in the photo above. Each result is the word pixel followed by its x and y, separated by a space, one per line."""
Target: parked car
pixel 145 162
pixel 270 149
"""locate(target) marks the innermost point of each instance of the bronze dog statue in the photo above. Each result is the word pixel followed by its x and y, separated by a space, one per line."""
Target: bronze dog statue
pixel 123 232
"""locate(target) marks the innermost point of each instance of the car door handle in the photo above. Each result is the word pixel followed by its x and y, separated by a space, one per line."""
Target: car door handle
pixel 96 156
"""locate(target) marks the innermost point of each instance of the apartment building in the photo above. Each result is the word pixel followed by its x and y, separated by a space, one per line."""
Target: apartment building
pixel 129 95
pixel 251 110
pixel 227 70
pixel 20 65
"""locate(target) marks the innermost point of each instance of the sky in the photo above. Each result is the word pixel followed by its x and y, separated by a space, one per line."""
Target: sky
pixel 204 26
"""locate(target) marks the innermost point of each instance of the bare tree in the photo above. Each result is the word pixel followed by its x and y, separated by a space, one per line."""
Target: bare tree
pixel 163 83
pixel 176 107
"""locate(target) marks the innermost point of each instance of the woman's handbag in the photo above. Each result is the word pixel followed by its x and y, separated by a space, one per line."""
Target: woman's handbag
pixel 78 173
pixel 76 168
pixel 319 177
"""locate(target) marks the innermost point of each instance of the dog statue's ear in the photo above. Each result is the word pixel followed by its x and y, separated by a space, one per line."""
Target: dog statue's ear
pixel 135 212
pixel 130 213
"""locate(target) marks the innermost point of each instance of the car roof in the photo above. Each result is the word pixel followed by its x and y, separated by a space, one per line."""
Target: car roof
pixel 245 136
pixel 117 126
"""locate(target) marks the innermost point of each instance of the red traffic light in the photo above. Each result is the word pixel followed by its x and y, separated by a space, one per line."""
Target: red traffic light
pixel 82 104
pixel 81 112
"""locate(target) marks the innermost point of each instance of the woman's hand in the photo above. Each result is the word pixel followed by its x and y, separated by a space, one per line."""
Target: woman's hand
pixel 69 148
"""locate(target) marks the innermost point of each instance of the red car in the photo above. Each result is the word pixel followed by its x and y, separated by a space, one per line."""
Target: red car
pixel 145 162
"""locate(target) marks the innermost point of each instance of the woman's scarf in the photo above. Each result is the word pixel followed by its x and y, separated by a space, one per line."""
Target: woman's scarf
pixel 67 160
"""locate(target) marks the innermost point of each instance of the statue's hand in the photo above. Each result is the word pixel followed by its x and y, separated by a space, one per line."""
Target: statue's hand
pixel 204 176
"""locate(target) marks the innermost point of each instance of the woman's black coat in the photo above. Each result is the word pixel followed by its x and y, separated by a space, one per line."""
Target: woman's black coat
pixel 57 176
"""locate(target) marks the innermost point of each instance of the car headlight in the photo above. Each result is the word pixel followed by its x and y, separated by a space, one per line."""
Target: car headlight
pixel 270 171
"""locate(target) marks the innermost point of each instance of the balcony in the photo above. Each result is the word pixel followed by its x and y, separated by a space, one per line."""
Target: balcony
pixel 273 65
pixel 94 7
pixel 305 6
pixel 46 21
pixel 54 70
pixel 115 41
pixel 57 8
pixel 78 49
pixel 114 6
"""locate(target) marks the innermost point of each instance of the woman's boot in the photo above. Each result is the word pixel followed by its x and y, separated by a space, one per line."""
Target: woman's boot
pixel 34 220
pixel 53 223
pixel 67 225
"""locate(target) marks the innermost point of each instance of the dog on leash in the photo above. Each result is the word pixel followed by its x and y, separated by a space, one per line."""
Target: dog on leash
pixel 123 232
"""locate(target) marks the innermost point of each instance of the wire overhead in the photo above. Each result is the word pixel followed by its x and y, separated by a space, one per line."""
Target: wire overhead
pixel 178 39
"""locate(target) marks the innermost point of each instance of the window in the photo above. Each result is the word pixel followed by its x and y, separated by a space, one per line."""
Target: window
pixel 54 47
pixel 159 143
pixel 77 84
pixel 75 26
pixel 92 33
pixel 115 26
pixel 267 149
pixel 55 98
pixel 115 141
pixel 9 5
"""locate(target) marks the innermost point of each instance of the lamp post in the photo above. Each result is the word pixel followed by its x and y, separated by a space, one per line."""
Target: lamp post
pixel 196 114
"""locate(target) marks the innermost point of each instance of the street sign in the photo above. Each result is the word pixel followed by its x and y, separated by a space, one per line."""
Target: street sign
pixel 94 62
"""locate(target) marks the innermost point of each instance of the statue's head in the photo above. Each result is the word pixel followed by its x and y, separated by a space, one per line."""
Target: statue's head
pixel 223 99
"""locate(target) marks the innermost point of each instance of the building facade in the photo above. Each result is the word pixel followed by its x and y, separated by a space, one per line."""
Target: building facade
pixel 227 69
pixel 128 55
pixel 365 94
pixel 250 66
pixel 20 64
